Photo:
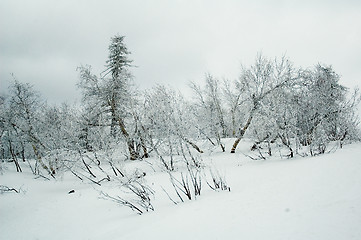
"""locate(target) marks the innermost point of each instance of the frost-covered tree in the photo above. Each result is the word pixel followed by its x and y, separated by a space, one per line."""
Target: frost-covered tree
pixel 312 109
pixel 256 84
pixel 111 92
pixel 324 109
pixel 233 102
pixel 117 86
pixel 31 129
pixel 23 124
pixel 167 121
pixel 209 111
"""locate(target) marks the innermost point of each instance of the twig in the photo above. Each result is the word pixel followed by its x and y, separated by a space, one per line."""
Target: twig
pixel 169 196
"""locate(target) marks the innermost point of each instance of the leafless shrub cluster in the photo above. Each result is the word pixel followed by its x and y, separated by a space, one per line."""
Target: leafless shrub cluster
pixel 137 195
pixel 218 182
pixel 188 185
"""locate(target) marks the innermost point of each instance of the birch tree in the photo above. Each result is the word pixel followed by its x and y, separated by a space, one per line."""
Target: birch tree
pixel 257 83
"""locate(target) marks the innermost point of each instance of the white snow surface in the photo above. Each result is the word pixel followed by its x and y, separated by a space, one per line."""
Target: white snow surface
pixel 301 198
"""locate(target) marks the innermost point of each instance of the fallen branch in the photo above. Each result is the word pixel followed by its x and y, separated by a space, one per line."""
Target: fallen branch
pixel 7 189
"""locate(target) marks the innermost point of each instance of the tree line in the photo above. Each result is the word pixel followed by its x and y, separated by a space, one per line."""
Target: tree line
pixel 273 103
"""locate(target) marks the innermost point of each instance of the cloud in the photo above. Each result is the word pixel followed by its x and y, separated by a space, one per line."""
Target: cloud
pixel 172 42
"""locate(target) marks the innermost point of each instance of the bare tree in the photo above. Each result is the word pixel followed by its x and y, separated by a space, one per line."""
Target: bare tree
pixel 167 117
pixel 209 111
pixel 257 83
pixel 325 112
pixel 24 121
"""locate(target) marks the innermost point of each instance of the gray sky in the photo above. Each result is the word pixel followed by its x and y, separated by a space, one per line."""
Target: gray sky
pixel 172 42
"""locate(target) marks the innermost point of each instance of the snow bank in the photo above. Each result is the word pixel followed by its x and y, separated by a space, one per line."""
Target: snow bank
pixel 302 198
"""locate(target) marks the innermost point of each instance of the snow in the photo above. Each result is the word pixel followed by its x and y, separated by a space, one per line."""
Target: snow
pixel 302 198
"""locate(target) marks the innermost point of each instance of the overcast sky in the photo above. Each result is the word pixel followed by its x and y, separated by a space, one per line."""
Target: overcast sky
pixel 172 42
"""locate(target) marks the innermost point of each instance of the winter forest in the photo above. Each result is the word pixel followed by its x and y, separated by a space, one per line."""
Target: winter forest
pixel 274 103
pixel 143 150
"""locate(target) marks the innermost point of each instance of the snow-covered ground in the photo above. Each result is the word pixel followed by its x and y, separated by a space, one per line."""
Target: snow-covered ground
pixel 302 198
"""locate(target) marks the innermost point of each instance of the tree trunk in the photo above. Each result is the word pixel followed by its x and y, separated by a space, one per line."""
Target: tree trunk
pixel 242 132
pixel 113 123
pixel 144 147
pixel 287 143
pixel 18 168
pixel 141 139
pixel 134 155
pixel 233 123
pixel 132 152
pixel 218 138
pixel 192 144
pixel 235 144
pixel 51 171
